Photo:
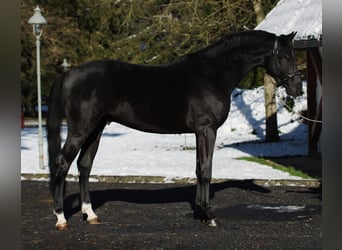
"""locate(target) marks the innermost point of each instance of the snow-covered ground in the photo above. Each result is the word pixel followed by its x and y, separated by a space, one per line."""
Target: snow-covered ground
pixel 127 152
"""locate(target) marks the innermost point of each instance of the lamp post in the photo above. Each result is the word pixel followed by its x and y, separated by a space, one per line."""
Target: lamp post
pixel 65 65
pixel 37 20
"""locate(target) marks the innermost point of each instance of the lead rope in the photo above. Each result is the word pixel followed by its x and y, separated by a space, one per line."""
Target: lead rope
pixel 291 109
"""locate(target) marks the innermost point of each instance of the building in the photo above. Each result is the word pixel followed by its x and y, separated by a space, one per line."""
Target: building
pixel 305 17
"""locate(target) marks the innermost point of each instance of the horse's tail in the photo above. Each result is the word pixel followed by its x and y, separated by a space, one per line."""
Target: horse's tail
pixel 53 124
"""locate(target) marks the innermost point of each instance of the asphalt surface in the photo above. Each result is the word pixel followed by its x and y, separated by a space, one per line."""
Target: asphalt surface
pixel 161 216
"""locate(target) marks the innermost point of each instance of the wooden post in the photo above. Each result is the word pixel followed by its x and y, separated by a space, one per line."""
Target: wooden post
pixel 314 72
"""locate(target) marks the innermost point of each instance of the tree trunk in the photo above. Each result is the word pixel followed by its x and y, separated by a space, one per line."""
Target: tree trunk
pixel 270 87
pixel 259 11
pixel 271 109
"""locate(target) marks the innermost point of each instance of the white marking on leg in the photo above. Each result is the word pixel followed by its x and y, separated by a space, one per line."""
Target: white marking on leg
pixel 60 218
pixel 86 209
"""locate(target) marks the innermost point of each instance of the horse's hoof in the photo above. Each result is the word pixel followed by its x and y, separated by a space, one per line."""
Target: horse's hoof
pixel 211 222
pixel 94 221
pixel 62 227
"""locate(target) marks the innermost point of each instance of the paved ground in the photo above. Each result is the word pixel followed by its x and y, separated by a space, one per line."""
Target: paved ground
pixel 160 216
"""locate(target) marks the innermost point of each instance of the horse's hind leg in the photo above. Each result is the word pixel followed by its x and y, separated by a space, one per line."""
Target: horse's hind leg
pixel 84 164
pixel 205 143
pixel 71 148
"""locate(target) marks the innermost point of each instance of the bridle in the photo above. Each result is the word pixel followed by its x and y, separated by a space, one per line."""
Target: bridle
pixel 287 76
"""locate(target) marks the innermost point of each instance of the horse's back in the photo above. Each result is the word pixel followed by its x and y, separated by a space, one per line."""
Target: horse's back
pixel 148 98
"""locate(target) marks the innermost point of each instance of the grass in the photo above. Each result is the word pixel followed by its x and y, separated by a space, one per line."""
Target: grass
pixel 189 147
pixel 289 169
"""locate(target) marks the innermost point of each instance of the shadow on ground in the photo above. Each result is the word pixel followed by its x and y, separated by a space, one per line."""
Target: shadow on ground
pixel 72 204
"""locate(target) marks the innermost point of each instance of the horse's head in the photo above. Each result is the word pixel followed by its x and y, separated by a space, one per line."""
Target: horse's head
pixel 281 65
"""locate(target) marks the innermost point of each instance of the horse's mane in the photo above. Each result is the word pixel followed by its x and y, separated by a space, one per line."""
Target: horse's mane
pixel 234 40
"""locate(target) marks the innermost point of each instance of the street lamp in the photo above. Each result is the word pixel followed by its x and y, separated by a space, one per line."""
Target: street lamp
pixel 37 20
pixel 65 65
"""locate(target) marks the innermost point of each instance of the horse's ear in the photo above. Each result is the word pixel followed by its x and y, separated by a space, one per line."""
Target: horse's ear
pixel 291 36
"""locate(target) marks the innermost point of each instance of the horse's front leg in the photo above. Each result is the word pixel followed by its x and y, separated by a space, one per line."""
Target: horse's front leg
pixel 205 144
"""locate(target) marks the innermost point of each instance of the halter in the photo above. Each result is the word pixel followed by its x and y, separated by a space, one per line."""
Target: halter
pixel 288 76
pixel 275 50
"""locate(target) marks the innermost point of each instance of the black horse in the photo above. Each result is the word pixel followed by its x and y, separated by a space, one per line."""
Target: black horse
pixel 190 95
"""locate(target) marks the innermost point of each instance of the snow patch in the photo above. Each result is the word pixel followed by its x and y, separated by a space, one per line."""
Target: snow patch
pixel 279 209
pixel 128 152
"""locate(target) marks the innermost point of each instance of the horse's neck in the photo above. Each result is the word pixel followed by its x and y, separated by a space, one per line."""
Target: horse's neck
pixel 244 59
pixel 254 57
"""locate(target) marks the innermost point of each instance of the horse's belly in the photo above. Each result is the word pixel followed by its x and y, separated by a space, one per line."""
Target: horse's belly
pixel 153 119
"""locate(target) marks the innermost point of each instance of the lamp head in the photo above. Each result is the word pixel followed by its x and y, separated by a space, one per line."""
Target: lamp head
pixel 37 20
pixel 65 64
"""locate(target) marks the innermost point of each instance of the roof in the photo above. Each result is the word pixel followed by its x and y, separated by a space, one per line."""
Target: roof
pixel 303 16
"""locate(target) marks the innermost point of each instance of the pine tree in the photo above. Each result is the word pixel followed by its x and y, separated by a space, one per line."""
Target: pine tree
pixel 135 31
